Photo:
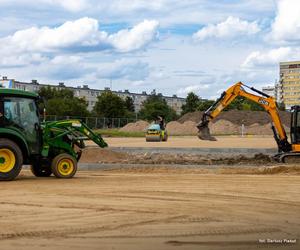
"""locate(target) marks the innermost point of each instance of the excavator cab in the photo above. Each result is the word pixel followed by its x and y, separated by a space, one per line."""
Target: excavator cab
pixel 295 127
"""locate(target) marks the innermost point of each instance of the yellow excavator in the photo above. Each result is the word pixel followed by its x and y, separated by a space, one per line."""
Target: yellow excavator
pixel 287 152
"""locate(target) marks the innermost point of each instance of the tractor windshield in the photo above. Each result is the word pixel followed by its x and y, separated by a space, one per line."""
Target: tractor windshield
pixel 21 114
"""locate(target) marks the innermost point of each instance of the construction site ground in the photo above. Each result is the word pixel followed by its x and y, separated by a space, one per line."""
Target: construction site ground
pixel 194 142
pixel 151 208
pixel 157 200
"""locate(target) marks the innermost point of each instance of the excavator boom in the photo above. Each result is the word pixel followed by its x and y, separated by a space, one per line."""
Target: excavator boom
pixel 266 101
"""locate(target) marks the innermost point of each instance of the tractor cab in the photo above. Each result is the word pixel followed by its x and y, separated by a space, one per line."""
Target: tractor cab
pixel 19 116
pixel 295 128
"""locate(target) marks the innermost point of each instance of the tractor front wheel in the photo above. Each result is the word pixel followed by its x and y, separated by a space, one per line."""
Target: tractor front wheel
pixel 64 166
pixel 11 160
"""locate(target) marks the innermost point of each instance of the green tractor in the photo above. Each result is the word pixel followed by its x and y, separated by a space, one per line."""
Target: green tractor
pixel 49 147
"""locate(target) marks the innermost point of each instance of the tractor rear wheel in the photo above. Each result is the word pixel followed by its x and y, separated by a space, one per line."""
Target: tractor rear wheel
pixel 64 166
pixel 41 170
pixel 11 160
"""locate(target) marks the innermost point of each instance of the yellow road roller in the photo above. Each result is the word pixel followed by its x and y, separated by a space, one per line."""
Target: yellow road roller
pixel 154 133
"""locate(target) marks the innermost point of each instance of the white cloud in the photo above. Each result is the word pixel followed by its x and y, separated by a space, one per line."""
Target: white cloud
pixel 78 32
pixel 231 27
pixel 47 53
pixel 286 26
pixel 138 5
pixel 63 67
pixel 22 60
pixel 174 12
pixel 285 31
pixel 271 57
pixel 193 88
pixel 137 37
pixel 71 5
pixel 81 33
pixel 130 69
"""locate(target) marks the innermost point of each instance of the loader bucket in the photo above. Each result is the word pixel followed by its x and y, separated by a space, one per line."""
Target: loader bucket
pixel 204 133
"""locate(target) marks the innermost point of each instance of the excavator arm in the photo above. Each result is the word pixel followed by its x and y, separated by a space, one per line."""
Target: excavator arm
pixel 266 101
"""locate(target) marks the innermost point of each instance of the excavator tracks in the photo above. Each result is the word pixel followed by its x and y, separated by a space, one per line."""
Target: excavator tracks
pixel 289 158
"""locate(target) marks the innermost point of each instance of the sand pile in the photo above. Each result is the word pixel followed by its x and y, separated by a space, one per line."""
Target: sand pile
pixel 230 122
pixel 217 127
pixel 186 128
pixel 239 117
pixel 223 127
pixel 100 155
pixel 227 123
pixel 190 128
pixel 192 116
pixel 257 129
pixel 139 126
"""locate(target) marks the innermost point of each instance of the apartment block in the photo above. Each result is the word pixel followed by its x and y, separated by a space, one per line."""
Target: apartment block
pixel 289 83
pixel 269 90
pixel 90 95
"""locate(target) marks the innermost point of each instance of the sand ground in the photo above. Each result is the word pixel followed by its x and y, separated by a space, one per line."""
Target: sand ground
pixel 150 210
pixel 194 142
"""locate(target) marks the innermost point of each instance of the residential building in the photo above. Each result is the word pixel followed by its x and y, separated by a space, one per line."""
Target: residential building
pixel 274 91
pixel 269 90
pixel 90 95
pixel 278 93
pixel 289 83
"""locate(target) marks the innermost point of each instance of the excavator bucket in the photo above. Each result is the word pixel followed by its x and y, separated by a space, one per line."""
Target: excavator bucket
pixel 204 133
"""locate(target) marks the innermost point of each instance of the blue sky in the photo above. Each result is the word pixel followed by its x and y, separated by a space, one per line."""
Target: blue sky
pixel 172 46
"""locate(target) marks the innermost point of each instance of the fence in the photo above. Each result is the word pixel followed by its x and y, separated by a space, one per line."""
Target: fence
pixel 95 122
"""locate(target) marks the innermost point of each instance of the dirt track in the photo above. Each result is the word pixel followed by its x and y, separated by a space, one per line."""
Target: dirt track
pixel 146 209
pixel 194 142
pixel 183 150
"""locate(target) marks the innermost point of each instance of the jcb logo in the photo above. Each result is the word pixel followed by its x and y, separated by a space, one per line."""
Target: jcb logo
pixel 264 102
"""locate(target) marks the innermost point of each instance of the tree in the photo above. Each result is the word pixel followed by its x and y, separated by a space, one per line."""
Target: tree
pixel 47 92
pixel 129 103
pixel 63 102
pixel 204 105
pixel 110 105
pixel 156 106
pixel 241 103
pixel 192 102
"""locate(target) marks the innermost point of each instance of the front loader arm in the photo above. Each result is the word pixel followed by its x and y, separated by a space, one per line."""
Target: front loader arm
pixel 85 130
pixel 62 136
pixel 266 101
